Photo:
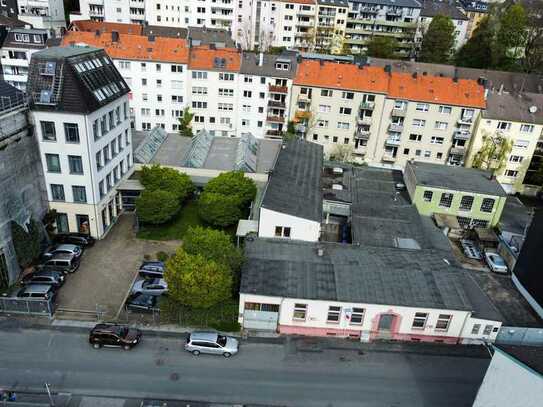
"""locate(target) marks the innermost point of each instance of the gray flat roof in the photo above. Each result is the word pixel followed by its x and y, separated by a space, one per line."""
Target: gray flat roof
pixel 514 107
pixel 531 356
pixel 172 151
pixel 351 273
pixel 432 8
pixel 250 64
pixel 65 52
pixel 337 3
pixel 294 186
pixel 456 178
pixel 515 216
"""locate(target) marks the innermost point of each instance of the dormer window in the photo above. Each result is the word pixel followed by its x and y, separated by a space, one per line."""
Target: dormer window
pixel 282 66
pixel 22 37
pixel 36 39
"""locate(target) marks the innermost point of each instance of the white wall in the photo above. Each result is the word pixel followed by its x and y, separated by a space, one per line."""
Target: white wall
pixel 509 383
pixel 301 229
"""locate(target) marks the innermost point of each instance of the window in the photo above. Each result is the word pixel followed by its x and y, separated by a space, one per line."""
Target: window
pixel 177 99
pixel 75 164
pixel 95 130
pixel 326 93
pixel 245 122
pixel 527 128
pixel 111 120
pixel 334 313
pixel 415 137
pixel 226 92
pixel 439 156
pixel 504 126
pixel 79 193
pixel 57 192
pixel 199 105
pixel 48 131
pixel 446 200
pixel 422 107
pixel 247 94
pixel 418 152
pixel 199 75
pixel 159 83
pixel 406 151
pixel 436 140
pixel 282 231
pixel 345 110
pixel 516 158
pixel 343 125
pixel 419 322
pixel 177 68
pixel 226 107
pixel 325 108
pixel 427 153
pixel 322 123
pixel 522 143
pixel 300 312
pixel 198 90
pixel 475 329
pixel 347 95
pixel 487 330
pixel 427 196
pixel 71 132
pixel 106 154
pixel 511 173
pixel 124 64
pixel 443 322
pixel 445 109
pixel 226 76
pixel 419 123
pixel 99 160
pixel 466 203
pixel 125 110
pixel 144 82
pixel 400 105
pixel 357 316
pixel 440 125
pixel 487 205
pixel 53 162
pixel 158 67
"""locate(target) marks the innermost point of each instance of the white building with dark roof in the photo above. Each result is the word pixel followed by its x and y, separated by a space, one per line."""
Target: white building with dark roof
pixel 432 8
pixel 47 14
pixel 79 106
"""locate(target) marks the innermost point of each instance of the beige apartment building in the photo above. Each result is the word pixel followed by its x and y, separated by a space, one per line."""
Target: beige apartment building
pixel 330 27
pixel 519 118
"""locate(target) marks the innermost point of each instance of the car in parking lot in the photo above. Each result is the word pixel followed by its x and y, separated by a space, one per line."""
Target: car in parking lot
pixel 80 239
pixel 143 302
pixel 37 291
pixel 151 269
pixel 114 335
pixel 211 342
pixel 48 277
pixel 495 262
pixel 63 262
pixel 471 251
pixel 72 249
pixel 155 286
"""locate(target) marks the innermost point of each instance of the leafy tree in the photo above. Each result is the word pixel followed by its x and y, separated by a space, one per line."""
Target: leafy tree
pixel 511 36
pixel 163 178
pixel 438 41
pixel 185 129
pixel 213 245
pixel 493 153
pixel 219 209
pixel 382 47
pixel 342 153
pixel 36 237
pixel 157 206
pixel 533 51
pixel 478 51
pixel 234 184
pixel 25 245
pixel 196 281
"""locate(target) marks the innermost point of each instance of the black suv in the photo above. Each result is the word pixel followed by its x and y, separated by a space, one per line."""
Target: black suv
pixel 80 239
pixel 152 269
pixel 114 335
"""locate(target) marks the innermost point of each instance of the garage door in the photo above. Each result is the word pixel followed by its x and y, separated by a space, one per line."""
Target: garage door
pixel 263 320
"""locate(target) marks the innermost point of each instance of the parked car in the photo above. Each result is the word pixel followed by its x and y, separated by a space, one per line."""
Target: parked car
pixel 155 286
pixel 80 239
pixel 212 343
pixel 471 251
pixel 495 262
pixel 142 302
pixel 152 269
pixel 114 335
pixel 37 291
pixel 48 277
pixel 72 249
pixel 63 262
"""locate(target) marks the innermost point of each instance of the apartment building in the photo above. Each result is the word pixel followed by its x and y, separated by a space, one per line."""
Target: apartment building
pixel 390 18
pixel 519 118
pixel 9 8
pixel 330 25
pixel 16 52
pixel 47 14
pixel 119 11
pixel 79 107
pixel 432 8
pixel 475 10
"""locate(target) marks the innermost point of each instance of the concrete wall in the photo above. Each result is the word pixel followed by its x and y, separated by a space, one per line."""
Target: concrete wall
pixel 301 229
pixel 509 383
pixel 22 189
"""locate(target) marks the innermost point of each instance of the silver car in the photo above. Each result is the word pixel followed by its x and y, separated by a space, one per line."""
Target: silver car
pixel 72 249
pixel 212 343
pixel 154 286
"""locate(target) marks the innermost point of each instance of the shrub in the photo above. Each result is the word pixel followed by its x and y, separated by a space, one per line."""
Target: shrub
pixel 218 209
pixel 167 179
pixel 157 206
pixel 162 256
pixel 233 183
pixel 26 244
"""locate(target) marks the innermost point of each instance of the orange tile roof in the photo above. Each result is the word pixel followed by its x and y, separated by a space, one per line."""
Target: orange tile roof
pixel 89 25
pixel 203 58
pixel 341 76
pixel 134 47
pixel 436 89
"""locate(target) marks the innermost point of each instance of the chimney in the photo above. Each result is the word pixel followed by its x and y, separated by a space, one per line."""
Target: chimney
pixel 97 33
pixel 455 79
pixel 212 46
pixel 321 62
pixel 261 59
pixel 415 74
pixel 114 36
pixel 388 69
pixel 151 38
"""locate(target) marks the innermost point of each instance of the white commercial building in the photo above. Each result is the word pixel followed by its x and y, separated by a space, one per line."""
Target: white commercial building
pixel 48 14
pixel 79 106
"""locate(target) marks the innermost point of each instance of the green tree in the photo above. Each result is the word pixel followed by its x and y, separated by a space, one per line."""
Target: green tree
pixel 493 153
pixel 163 178
pixel 25 244
pixel 478 51
pixel 195 281
pixel 382 47
pixel 185 129
pixel 234 184
pixel 157 206
pixel 511 36
pixel 438 41
pixel 213 245
pixel 218 209
pixel 533 52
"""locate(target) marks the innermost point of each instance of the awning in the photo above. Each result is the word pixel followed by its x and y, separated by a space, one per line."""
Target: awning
pixel 246 226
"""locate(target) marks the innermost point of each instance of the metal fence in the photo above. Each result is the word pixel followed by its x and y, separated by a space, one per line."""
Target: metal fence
pixel 27 306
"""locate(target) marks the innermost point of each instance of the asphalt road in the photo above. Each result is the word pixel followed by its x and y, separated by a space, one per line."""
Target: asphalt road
pixel 270 374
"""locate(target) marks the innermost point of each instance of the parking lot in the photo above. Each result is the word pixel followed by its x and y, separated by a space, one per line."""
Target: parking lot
pixel 107 272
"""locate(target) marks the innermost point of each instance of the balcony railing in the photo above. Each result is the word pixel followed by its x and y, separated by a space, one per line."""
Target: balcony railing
pixel 458 151
pixel 399 112
pixel 395 127
pixel 275 119
pixel 364 120
pixel 278 89
pixel 465 120
pixel 277 103
pixel 367 105
pixel 362 134
pixel 462 134
pixel 392 141
pixel 389 157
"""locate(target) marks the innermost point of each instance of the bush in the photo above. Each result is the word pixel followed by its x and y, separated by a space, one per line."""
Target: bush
pixel 196 281
pixel 26 244
pixel 167 179
pixel 162 256
pixel 157 206
pixel 226 326
pixel 233 183
pixel 218 209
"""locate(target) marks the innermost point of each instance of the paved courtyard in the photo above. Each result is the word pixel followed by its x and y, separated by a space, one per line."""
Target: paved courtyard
pixel 106 273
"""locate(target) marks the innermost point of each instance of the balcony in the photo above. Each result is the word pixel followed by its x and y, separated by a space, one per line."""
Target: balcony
pixel 389 157
pixel 462 134
pixel 364 120
pixel 370 10
pixel 277 103
pixel 302 115
pixel 393 141
pixel 367 105
pixel 362 134
pixel 278 89
pixel 395 127
pixel 394 13
pixel 304 98
pixel 273 133
pixel 457 151
pixel 399 112
pixel 466 120
pixel 275 119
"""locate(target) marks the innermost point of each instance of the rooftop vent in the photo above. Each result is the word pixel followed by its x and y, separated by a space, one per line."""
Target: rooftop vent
pixel 320 251
pixel 337 187
pixel 151 38
pixel 114 36
pixel 533 109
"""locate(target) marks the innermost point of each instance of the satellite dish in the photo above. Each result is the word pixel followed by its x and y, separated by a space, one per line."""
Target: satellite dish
pixel 533 109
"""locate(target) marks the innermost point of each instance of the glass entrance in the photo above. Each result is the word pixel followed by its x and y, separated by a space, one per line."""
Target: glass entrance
pixel 62 223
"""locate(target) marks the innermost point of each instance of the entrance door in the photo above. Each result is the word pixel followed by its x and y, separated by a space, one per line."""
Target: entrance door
pixel 83 225
pixel 385 322
pixel 62 223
